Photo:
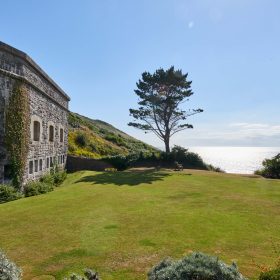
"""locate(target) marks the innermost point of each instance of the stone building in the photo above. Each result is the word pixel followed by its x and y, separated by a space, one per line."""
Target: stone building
pixel 48 114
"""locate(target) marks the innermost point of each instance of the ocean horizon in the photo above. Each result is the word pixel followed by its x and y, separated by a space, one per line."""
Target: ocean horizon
pixel 240 160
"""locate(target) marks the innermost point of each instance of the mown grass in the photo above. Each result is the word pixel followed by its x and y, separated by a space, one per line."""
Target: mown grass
pixel 123 223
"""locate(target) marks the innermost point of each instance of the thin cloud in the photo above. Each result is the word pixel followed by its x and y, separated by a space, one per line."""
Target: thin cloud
pixel 191 24
pixel 250 125
pixel 232 134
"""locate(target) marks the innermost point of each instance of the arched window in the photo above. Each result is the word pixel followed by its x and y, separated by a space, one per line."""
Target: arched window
pixel 36 131
pixel 61 132
pixel 51 133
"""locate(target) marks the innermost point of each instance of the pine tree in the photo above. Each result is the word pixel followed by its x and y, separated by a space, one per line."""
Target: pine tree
pixel 160 96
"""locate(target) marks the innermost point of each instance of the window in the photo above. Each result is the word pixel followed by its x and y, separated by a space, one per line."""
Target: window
pixel 51 162
pixel 61 132
pixel 36 131
pixel 48 163
pixel 31 167
pixel 63 159
pixel 51 133
pixel 36 165
pixel 40 165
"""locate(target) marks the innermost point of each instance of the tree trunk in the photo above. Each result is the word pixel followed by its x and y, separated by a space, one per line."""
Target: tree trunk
pixel 167 148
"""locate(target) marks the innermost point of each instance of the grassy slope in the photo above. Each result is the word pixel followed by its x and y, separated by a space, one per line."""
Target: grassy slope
pixel 124 223
pixel 103 139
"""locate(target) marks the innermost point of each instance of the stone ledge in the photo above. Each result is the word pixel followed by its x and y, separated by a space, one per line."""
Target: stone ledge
pixel 23 79
pixel 34 65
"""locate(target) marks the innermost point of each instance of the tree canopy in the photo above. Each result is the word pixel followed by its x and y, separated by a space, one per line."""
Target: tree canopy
pixel 161 95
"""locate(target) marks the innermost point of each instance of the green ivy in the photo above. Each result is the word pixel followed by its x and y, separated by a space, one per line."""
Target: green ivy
pixel 17 131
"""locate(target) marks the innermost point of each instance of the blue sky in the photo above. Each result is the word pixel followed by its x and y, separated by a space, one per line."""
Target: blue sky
pixel 97 50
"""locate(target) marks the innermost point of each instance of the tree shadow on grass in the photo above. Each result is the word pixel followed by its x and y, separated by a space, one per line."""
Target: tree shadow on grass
pixel 130 178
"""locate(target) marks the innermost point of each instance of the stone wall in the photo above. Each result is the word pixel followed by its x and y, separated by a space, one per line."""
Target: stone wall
pixel 47 113
pixel 48 106
pixel 17 64
pixel 2 106
pixel 80 163
pixel 6 84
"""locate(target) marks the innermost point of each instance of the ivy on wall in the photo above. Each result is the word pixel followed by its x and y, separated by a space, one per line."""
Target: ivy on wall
pixel 17 131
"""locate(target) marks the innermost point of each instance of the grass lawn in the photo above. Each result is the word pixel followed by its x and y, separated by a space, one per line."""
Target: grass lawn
pixel 123 223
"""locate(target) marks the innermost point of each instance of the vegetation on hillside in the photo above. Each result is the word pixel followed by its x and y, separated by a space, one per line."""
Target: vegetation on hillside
pixel 98 139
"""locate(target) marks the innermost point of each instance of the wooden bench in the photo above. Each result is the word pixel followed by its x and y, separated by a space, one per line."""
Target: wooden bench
pixel 178 166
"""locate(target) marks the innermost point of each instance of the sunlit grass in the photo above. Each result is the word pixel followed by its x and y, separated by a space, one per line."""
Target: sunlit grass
pixel 125 222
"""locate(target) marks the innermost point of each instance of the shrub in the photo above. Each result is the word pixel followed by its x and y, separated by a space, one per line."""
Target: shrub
pixel 182 156
pixel 36 188
pixel 193 160
pixel 8 193
pixel 47 179
pixel 122 162
pixel 271 168
pixel 89 275
pixel 81 140
pixel 8 270
pixel 210 167
pixel 270 275
pixel 59 177
pixel 196 266
pixel 189 159
pixel 115 139
pixel 93 147
pixel 119 162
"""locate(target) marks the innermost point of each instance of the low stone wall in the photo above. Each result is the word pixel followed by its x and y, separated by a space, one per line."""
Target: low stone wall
pixel 80 163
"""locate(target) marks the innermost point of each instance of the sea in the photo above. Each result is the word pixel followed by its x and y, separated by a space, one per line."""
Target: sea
pixel 241 160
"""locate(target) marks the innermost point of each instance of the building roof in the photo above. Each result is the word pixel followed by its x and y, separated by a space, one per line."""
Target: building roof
pixel 33 64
